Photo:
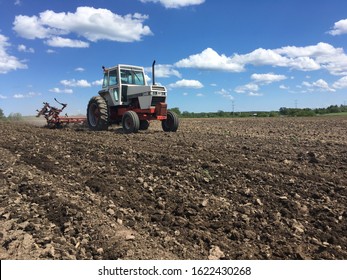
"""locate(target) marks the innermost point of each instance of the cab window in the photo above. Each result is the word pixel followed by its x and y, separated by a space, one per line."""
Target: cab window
pixel 113 78
pixel 105 81
pixel 132 77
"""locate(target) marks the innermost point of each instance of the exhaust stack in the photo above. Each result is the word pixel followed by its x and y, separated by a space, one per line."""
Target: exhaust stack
pixel 153 74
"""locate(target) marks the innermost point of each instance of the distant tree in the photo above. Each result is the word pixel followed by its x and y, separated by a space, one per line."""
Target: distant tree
pixel 273 114
pixel 333 109
pixel 2 116
pixel 176 110
pixel 15 117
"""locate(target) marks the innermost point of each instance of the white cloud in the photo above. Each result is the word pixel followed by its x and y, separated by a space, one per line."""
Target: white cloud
pixel 186 84
pixel 319 85
pixel 283 87
pixel 27 95
pixel 340 27
pixel 251 87
pixel 23 48
pixel 58 90
pixel 61 42
pixel 79 69
pixel 164 71
pixel 75 83
pixel 7 61
pixel 209 59
pixel 32 28
pixel 225 93
pixel 255 94
pixel 260 57
pixel 18 96
pixel 175 3
pixel 267 78
pixel 199 95
pixel 322 55
pixel 320 49
pixel 309 58
pixel 3 96
pixel 341 83
pixel 97 83
pixel 87 22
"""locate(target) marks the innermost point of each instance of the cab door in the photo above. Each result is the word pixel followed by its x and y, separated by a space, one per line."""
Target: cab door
pixel 113 87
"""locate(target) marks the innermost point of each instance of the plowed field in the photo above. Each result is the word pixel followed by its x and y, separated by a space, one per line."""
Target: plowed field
pixel 217 189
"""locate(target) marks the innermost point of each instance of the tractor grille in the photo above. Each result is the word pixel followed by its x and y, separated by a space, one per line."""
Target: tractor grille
pixel 157 99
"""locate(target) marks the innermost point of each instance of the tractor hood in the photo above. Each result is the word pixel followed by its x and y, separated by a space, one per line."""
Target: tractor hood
pixel 133 91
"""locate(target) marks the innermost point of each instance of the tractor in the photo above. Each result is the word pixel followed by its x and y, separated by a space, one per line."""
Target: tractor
pixel 127 99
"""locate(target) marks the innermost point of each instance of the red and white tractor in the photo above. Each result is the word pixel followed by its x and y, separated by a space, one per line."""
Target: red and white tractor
pixel 127 99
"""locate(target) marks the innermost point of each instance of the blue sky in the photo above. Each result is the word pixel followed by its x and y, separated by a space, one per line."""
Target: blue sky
pixel 211 54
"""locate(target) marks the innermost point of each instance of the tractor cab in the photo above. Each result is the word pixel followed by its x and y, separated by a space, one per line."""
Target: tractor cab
pixel 123 84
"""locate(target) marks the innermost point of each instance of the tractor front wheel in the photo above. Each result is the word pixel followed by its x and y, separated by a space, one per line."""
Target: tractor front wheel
pixel 130 122
pixel 144 125
pixel 97 113
pixel 171 123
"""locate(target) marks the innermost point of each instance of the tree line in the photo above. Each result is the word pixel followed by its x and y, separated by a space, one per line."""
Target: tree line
pixel 283 111
pixel 10 117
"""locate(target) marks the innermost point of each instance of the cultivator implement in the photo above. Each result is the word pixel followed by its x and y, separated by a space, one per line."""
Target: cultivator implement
pixel 53 118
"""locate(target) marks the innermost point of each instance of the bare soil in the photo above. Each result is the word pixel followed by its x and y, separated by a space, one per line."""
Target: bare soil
pixel 217 189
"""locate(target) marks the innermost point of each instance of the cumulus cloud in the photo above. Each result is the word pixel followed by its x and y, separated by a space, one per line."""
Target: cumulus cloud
pixel 60 42
pixel 209 59
pixel 340 27
pixel 79 69
pixel 225 93
pixel 58 90
pixel 308 58
pixel 251 87
pixel 164 71
pixel 23 48
pixel 175 4
pixel 97 82
pixel 75 83
pixel 283 87
pixel 187 84
pixel 27 95
pixel 87 22
pixel 319 85
pixel 267 78
pixel 3 96
pixel 341 83
pixel 7 61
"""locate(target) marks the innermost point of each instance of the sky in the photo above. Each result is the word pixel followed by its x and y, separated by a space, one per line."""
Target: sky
pixel 241 55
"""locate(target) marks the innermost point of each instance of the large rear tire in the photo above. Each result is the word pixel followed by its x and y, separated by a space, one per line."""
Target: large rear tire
pixel 171 123
pixel 97 113
pixel 130 122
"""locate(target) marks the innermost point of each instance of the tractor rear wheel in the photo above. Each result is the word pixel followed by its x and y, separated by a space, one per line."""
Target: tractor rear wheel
pixel 171 123
pixel 97 113
pixel 130 122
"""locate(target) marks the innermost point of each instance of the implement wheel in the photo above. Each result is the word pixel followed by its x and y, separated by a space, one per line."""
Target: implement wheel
pixel 130 122
pixel 97 113
pixel 171 123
